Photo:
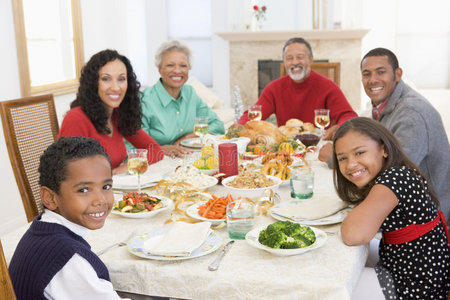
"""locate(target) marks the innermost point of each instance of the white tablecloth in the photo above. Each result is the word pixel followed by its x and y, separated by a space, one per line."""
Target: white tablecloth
pixel 330 272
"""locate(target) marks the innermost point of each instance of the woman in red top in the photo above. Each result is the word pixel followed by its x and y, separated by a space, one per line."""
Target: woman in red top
pixel 107 108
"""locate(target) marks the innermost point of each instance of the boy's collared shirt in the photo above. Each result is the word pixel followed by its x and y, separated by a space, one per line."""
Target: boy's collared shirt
pixel 78 271
pixel 52 217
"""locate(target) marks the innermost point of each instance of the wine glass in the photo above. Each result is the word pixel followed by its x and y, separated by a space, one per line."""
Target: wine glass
pixel 254 113
pixel 201 127
pixel 322 119
pixel 137 163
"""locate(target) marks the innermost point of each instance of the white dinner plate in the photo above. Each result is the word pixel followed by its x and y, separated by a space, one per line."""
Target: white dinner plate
pixel 192 212
pixel 332 219
pixel 252 238
pixel 129 182
pixel 166 202
pixel 192 143
pixel 136 245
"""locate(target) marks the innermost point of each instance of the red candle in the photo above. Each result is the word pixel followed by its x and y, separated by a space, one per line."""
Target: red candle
pixel 228 159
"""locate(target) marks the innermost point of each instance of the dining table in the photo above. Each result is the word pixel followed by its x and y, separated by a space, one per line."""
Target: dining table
pixel 329 272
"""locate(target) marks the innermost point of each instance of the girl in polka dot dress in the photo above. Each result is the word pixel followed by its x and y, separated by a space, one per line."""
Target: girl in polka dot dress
pixel 391 194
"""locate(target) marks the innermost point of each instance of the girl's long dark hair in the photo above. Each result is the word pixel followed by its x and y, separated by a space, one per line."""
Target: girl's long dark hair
pixel 129 113
pixel 348 191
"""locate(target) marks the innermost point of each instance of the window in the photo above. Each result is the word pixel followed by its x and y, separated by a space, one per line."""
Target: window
pixel 49 45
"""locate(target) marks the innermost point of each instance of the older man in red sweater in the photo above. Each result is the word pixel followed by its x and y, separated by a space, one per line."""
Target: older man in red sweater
pixel 299 93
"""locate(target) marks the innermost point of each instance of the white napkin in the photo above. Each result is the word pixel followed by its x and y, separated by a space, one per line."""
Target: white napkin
pixel 313 209
pixel 132 180
pixel 181 239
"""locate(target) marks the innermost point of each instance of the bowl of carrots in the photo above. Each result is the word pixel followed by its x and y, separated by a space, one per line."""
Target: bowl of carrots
pixel 214 210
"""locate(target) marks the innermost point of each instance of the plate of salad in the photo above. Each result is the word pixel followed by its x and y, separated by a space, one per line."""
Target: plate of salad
pixel 139 206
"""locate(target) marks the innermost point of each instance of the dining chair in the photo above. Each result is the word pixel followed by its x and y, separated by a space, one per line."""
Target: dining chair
pixel 332 70
pixel 6 287
pixel 30 125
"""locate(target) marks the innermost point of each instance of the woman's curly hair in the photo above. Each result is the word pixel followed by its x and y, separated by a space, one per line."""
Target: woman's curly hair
pixel 129 113
pixel 53 162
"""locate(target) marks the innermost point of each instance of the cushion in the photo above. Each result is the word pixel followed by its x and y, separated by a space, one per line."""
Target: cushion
pixel 204 92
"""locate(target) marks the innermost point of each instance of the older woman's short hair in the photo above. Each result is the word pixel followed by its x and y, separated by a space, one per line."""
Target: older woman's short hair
pixel 173 45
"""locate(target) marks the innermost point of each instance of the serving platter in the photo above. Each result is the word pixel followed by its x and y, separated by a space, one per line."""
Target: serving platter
pixel 252 239
pixel 136 245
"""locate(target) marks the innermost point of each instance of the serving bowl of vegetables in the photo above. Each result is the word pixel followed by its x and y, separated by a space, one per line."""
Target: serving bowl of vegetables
pixel 141 205
pixel 250 184
pixel 285 238
pixel 214 210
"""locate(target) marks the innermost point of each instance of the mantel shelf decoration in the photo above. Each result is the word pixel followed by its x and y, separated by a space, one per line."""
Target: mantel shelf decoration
pixel 259 16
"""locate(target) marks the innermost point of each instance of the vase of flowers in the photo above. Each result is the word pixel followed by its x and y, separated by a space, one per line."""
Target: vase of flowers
pixel 259 16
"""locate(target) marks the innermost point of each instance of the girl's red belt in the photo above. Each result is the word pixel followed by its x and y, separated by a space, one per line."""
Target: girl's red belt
pixel 414 231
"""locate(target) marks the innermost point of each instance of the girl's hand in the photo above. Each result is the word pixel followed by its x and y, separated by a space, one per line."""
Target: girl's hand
pixel 175 151
pixel 363 222
pixel 122 169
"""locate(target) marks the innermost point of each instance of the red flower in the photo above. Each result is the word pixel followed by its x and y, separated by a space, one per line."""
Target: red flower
pixel 255 7
pixel 264 8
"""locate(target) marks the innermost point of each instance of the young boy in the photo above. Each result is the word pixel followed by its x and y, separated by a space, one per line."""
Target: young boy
pixel 52 260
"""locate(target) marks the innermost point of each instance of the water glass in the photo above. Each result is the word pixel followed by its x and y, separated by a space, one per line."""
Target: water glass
pixel 240 219
pixel 302 184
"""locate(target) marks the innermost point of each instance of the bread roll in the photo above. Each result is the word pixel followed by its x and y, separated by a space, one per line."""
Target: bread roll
pixel 289 132
pixel 294 123
pixel 308 127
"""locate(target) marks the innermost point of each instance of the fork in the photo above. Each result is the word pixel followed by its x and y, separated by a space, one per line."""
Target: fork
pixel 119 244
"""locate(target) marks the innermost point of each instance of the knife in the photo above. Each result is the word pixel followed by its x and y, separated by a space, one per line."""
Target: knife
pixel 215 264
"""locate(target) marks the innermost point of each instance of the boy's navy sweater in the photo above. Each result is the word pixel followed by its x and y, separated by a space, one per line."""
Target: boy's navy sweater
pixel 43 251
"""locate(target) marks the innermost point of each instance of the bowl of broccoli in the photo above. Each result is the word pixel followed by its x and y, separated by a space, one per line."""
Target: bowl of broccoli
pixel 286 238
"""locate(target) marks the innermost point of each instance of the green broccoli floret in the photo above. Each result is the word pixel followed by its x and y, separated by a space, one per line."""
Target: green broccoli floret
pixel 291 228
pixel 278 226
pixel 290 243
pixel 306 232
pixel 287 235
pixel 273 240
pixel 302 241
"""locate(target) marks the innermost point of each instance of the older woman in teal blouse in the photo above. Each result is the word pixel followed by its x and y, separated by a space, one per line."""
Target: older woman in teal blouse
pixel 170 106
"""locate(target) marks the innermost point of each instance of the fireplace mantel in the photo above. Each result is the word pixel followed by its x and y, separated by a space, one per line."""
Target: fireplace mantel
pixel 249 36
pixel 340 45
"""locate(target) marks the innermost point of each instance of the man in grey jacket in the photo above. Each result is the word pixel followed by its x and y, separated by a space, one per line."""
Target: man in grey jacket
pixel 411 118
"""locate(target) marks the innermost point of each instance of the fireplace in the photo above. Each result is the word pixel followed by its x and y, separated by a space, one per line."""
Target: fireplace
pixel 269 70
pixel 248 50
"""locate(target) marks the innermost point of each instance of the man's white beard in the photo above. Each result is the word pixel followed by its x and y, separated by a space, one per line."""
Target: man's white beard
pixel 297 76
